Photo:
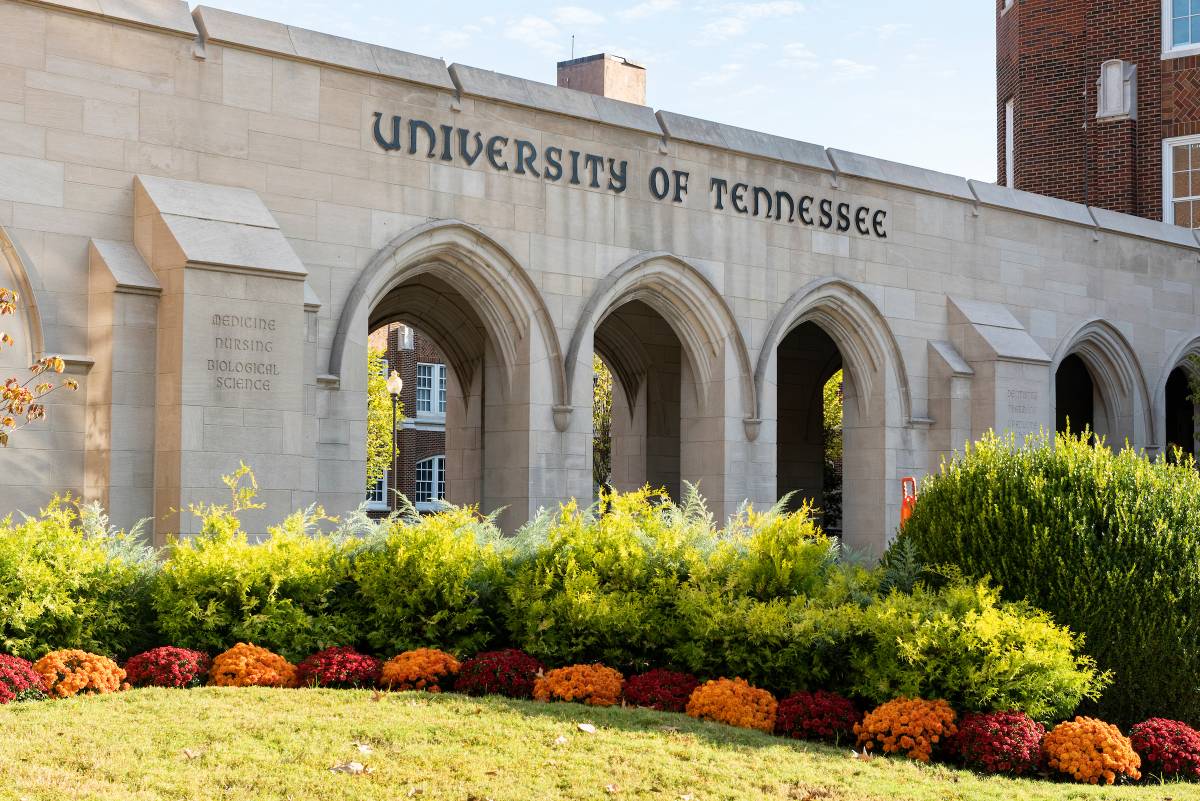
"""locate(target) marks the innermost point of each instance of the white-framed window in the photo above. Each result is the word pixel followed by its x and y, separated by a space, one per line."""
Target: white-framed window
pixel 1181 181
pixel 431 389
pixel 431 482
pixel 377 500
pixel 1181 28
pixel 1010 147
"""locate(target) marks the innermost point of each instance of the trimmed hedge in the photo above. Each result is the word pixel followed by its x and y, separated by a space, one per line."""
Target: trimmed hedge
pixel 1107 543
pixel 633 582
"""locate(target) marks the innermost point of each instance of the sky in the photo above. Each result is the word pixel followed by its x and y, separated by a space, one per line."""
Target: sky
pixel 911 82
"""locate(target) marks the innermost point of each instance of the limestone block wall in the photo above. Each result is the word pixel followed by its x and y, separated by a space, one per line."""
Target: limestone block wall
pixel 324 184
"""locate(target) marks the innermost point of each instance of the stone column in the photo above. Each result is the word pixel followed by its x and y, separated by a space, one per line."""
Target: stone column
pixel 230 355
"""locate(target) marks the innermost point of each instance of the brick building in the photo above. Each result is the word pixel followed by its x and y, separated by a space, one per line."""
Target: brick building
pixel 1099 103
pixel 419 472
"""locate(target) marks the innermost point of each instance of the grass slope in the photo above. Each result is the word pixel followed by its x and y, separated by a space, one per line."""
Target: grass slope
pixel 280 744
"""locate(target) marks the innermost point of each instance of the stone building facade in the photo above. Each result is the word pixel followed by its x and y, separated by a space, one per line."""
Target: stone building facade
pixel 208 213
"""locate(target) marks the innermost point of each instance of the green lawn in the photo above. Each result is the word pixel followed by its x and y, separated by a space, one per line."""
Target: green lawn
pixel 280 744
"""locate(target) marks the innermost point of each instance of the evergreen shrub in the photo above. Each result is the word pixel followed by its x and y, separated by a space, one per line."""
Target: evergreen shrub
pixel 1107 543
pixel 68 580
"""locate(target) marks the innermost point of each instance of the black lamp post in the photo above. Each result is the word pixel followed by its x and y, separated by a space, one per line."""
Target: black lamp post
pixel 394 385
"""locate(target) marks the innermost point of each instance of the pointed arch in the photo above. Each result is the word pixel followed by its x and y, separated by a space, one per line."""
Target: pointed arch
pixel 856 326
pixel 1115 368
pixel 1181 358
pixel 28 286
pixel 688 301
pixel 476 267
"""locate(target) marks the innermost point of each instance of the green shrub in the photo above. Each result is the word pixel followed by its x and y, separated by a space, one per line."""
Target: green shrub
pixel 1108 544
pixel 961 644
pixel 601 586
pixel 430 582
pixel 67 580
pixel 217 589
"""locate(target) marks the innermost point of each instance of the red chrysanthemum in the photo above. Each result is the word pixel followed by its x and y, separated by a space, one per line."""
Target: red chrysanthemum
pixel 339 667
pixel 817 715
pixel 19 681
pixel 999 742
pixel 1167 747
pixel 167 666
pixel 510 672
pixel 665 690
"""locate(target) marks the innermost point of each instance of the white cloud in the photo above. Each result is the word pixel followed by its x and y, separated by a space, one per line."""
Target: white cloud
pixel 724 75
pixel 890 29
pixel 845 68
pixel 798 56
pixel 778 8
pixel 538 34
pixel 574 15
pixel 648 8
pixel 723 28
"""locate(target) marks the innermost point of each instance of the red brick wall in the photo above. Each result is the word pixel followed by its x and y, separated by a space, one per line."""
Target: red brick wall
pixel 1048 57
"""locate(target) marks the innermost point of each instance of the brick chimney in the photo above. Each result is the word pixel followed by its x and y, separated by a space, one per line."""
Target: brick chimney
pixel 605 75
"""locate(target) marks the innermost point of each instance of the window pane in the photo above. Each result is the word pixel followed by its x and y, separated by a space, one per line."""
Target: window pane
pixel 1179 8
pixel 1180 31
pixel 1195 182
pixel 1196 6
pixel 1182 212
pixel 424 388
pixel 1195 30
pixel 1179 157
pixel 1182 186
pixel 423 491
pixel 442 389
pixel 1195 222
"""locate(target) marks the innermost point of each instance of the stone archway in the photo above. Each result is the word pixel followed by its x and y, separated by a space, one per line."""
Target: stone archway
pixel 1120 402
pixel 827 322
pixel 1175 412
pixel 647 309
pixel 505 388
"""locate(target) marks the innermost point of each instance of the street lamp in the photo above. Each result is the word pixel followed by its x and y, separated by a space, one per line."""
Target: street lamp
pixel 394 385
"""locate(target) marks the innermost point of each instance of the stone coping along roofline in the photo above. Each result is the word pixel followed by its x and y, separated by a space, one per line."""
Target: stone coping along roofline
pixel 228 28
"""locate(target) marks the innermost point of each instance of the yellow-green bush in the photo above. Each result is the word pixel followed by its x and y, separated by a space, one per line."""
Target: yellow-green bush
pixel 284 593
pixel 69 581
pixel 430 582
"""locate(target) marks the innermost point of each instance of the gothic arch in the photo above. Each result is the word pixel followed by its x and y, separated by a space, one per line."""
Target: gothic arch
pixel 1189 346
pixel 28 284
pixel 856 326
pixel 465 259
pixel 1117 373
pixel 689 303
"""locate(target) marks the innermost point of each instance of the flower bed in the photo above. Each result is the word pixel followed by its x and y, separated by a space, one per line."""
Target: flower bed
pixel 70 672
pixel 168 667
pixel 911 727
pixel 1091 751
pixel 817 715
pixel 423 669
pixel 339 667
pixel 19 681
pixel 664 690
pixel 734 702
pixel 595 685
pixel 247 665
pixel 510 672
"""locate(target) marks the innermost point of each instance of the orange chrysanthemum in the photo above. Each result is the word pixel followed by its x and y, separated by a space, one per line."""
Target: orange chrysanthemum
pixel 247 665
pixel 1091 751
pixel 734 702
pixel 423 669
pixel 595 685
pixel 908 726
pixel 70 672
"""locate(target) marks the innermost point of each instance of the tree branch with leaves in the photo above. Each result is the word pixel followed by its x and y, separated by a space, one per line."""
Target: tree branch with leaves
pixel 379 417
pixel 22 402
